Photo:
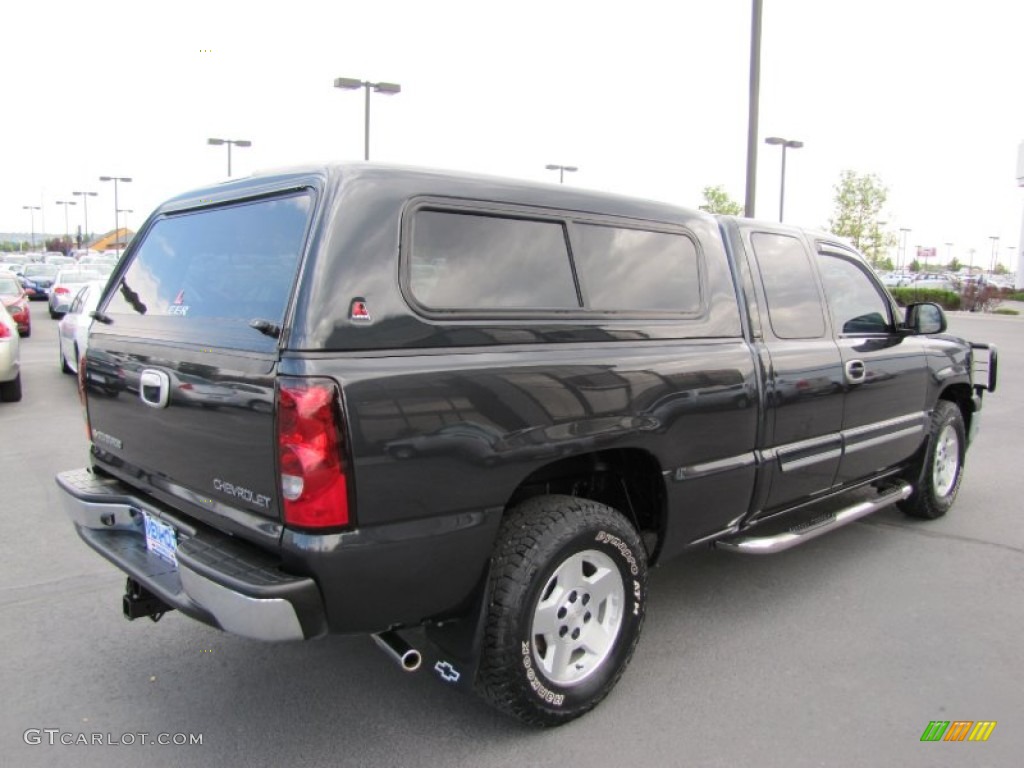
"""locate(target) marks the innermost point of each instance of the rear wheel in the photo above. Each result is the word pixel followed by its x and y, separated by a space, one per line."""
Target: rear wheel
pixel 941 468
pixel 10 391
pixel 568 589
pixel 64 367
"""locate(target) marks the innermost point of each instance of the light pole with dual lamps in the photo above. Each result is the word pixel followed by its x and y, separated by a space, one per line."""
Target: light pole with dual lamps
pixel 351 84
pixel 562 170
pixel 785 144
pixel 126 211
pixel 115 179
pixel 995 253
pixel 32 216
pixel 230 142
pixel 85 209
pixel 67 230
pixel 902 256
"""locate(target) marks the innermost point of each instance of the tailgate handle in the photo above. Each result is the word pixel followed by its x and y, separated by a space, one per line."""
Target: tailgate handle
pixel 154 388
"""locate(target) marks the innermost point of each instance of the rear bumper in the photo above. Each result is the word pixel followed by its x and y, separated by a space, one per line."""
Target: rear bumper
pixel 217 579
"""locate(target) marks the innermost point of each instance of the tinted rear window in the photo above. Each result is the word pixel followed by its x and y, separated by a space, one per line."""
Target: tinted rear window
pixel 794 304
pixel 211 272
pixel 464 261
pixel 637 270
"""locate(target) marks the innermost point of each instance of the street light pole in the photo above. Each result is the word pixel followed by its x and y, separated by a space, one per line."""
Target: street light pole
pixel 754 96
pixel 350 84
pixel 32 215
pixel 562 170
pixel 126 211
pixel 995 250
pixel 67 230
pixel 85 208
pixel 785 144
pixel 115 179
pixel 229 142
pixel 904 232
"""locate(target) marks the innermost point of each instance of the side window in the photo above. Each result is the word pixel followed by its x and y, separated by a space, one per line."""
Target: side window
pixel 855 303
pixel 632 269
pixel 794 305
pixel 473 261
pixel 76 305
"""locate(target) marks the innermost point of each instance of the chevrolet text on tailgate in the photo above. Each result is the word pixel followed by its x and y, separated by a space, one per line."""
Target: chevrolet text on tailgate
pixel 466 415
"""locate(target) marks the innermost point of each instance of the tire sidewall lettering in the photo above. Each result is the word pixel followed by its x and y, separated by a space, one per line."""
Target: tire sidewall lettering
pixel 553 695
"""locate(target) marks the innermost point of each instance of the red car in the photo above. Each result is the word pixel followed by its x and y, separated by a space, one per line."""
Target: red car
pixel 16 301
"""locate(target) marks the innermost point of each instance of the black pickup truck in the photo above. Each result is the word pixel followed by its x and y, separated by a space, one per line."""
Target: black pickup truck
pixel 465 415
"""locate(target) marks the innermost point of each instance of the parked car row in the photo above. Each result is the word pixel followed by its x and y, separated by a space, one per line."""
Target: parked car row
pixel 943 281
pixel 75 294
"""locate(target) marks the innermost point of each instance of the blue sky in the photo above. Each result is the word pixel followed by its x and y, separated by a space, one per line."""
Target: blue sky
pixel 647 98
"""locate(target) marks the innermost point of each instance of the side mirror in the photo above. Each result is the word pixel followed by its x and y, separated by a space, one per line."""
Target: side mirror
pixel 925 318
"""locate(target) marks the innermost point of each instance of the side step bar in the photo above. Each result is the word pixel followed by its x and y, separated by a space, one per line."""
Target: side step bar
pixel 769 545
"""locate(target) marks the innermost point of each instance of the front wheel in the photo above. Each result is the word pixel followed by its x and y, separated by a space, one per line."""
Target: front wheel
pixel 939 473
pixel 568 589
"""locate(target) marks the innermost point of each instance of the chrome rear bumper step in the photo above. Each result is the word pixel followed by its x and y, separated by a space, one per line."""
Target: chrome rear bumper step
pixel 769 545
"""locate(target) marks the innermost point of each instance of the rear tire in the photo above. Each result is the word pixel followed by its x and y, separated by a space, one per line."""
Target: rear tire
pixel 64 367
pixel 936 479
pixel 567 595
pixel 10 391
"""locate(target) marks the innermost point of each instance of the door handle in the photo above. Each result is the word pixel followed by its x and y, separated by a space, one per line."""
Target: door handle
pixel 855 371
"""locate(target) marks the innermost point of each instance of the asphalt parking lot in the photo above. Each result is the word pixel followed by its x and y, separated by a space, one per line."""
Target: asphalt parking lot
pixel 837 653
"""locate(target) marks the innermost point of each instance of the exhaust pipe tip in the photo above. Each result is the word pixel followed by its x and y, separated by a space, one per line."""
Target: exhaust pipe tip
pixel 407 657
pixel 411 660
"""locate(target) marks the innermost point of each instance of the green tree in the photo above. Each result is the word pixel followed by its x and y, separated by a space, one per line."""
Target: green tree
pixel 954 265
pixel 61 244
pixel 858 200
pixel 717 200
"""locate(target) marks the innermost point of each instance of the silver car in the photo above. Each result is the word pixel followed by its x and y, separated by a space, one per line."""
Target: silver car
pixel 66 284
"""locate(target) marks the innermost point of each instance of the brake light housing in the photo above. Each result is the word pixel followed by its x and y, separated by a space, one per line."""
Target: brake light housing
pixel 311 461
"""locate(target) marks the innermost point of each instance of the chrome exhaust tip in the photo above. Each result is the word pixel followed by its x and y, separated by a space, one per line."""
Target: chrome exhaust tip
pixel 407 657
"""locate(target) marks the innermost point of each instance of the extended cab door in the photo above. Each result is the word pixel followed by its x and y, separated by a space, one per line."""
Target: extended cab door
pixel 800 445
pixel 884 372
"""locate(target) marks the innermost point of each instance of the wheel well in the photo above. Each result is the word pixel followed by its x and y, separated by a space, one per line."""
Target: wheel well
pixel 960 395
pixel 626 479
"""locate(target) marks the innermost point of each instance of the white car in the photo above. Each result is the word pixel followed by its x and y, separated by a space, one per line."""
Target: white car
pixel 66 285
pixel 10 358
pixel 73 329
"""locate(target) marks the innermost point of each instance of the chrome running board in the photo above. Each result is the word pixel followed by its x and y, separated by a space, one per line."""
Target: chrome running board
pixel 769 545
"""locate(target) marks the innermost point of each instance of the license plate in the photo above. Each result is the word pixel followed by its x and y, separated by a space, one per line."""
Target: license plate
pixel 161 539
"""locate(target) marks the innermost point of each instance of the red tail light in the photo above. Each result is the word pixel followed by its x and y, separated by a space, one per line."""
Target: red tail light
pixel 310 441
pixel 5 332
pixel 61 290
